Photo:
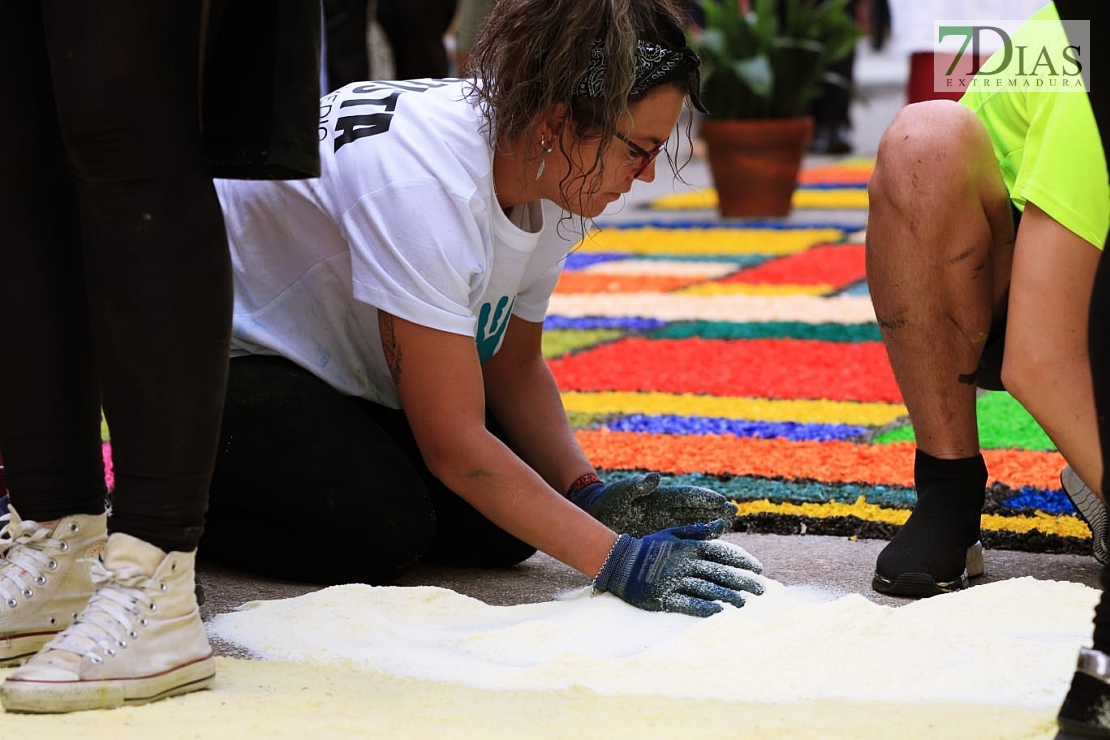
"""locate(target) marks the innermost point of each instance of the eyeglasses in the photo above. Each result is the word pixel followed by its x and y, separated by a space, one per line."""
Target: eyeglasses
pixel 646 156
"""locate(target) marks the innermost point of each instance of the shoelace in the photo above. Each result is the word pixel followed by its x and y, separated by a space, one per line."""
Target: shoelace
pixel 117 605
pixel 22 557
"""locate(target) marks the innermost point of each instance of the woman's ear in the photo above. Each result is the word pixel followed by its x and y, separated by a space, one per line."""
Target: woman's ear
pixel 556 119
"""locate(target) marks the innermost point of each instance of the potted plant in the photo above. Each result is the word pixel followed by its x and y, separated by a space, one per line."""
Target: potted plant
pixel 762 68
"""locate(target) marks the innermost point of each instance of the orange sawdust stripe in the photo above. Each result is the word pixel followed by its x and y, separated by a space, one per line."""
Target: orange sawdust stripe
pixel 889 464
pixel 1065 526
pixel 585 282
pixel 850 172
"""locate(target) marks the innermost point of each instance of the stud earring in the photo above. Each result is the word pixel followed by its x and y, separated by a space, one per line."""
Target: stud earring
pixel 543 162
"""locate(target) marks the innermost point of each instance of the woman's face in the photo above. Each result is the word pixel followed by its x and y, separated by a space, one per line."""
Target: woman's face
pixel 630 156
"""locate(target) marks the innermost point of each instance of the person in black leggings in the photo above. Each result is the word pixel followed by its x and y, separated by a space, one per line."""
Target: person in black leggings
pixel 1083 713
pixel 115 294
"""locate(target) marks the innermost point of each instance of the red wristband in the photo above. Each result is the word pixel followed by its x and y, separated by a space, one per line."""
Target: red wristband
pixel 586 480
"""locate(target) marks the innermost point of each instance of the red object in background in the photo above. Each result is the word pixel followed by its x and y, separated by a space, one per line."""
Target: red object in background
pixel 920 85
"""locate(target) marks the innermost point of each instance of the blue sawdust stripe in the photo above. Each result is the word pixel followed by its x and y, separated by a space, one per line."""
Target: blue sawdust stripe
pixel 582 260
pixel 738 225
pixel 859 289
pixel 827 332
pixel 1050 502
pixel 834 186
pixel 695 425
pixel 602 322
pixel 740 260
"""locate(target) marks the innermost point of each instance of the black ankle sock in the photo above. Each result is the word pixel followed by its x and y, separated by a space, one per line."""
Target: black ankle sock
pixel 944 522
pixel 965 474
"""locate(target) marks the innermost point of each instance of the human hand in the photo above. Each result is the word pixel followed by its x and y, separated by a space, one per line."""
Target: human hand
pixel 680 570
pixel 639 505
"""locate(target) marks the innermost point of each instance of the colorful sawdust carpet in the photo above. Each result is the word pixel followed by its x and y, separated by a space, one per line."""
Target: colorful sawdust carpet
pixel 745 357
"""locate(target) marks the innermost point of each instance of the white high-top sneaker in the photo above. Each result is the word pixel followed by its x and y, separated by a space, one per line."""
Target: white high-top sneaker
pixel 44 579
pixel 139 639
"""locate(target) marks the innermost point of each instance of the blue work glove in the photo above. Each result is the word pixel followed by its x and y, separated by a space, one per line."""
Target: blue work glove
pixel 639 505
pixel 680 570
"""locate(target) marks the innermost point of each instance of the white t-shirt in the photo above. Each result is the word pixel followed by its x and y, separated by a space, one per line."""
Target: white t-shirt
pixel 404 218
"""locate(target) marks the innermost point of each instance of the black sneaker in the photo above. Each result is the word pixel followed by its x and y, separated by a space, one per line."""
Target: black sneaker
pixel 1091 510
pixel 1085 712
pixel 937 550
pixel 919 585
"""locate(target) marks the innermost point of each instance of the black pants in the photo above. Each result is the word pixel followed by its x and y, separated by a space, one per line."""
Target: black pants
pixel 1098 326
pixel 348 55
pixel 312 485
pixel 415 29
pixel 114 272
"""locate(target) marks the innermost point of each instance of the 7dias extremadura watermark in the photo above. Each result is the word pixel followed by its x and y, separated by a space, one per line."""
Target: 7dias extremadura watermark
pixel 1011 56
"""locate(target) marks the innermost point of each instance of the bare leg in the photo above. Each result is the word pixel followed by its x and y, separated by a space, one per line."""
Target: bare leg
pixel 939 247
pixel 1047 367
pixel 940 243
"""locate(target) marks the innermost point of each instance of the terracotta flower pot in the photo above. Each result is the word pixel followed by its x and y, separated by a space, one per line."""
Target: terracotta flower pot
pixel 755 163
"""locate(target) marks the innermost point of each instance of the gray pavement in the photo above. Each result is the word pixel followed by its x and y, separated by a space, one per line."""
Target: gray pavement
pixel 834 564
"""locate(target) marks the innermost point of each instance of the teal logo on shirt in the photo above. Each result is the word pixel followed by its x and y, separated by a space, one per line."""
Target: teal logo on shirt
pixel 492 323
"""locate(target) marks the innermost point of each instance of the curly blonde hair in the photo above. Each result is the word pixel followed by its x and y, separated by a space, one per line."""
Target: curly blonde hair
pixel 530 55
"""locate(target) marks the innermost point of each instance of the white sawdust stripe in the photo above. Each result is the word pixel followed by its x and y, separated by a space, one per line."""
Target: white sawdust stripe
pixel 671 307
pixel 676 268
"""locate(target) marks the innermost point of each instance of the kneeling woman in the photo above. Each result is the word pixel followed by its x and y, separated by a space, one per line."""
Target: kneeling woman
pixel 388 399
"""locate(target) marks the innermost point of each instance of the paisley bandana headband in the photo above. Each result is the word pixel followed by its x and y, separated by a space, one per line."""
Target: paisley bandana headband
pixel 654 63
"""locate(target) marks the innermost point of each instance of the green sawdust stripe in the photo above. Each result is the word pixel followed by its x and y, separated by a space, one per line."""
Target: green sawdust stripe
pixel 999 499
pixel 558 342
pixel 828 332
pixel 750 488
pixel 1003 423
pixel 583 419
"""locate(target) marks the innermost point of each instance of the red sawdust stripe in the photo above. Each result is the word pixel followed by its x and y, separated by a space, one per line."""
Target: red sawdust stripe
pixel 584 282
pixel 839 265
pixel 761 368
pixel 888 464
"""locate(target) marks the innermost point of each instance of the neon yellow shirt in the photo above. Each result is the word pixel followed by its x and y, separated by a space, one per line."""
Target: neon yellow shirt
pixel 1047 143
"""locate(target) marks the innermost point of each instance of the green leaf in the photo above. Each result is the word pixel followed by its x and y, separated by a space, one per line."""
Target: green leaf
pixel 772 60
pixel 756 73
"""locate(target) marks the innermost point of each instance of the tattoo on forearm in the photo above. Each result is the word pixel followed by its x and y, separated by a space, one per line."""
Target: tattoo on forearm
pixel 390 347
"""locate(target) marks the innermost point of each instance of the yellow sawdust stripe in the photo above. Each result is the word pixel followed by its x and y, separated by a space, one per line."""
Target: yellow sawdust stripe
pixel 1065 526
pixel 706 241
pixel 755 289
pixel 691 404
pixel 849 198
